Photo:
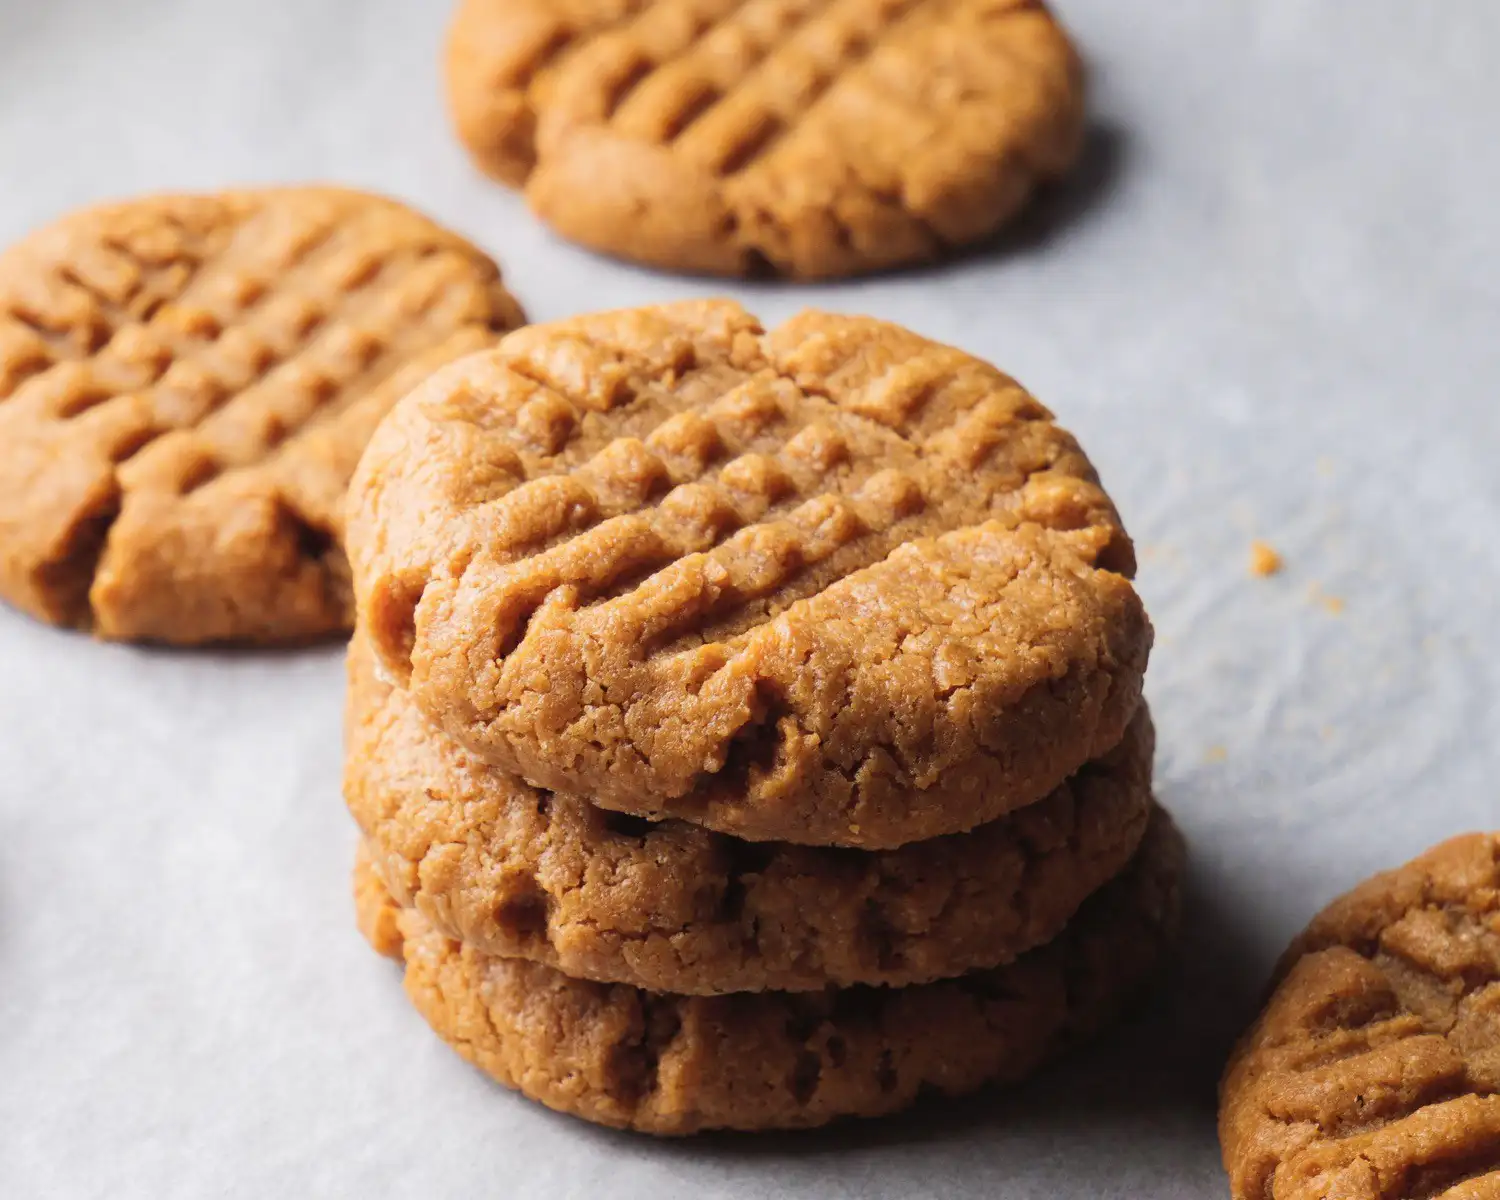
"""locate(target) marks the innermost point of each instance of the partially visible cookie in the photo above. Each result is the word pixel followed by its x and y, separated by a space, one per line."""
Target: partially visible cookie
pixel 670 1064
pixel 831 584
pixel 522 873
pixel 186 384
pixel 1374 1072
pixel 811 138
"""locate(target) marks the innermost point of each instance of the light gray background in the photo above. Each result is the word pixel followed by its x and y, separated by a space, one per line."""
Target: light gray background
pixel 1268 307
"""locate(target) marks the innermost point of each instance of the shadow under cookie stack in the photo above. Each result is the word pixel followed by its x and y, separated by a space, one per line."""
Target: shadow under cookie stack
pixel 745 727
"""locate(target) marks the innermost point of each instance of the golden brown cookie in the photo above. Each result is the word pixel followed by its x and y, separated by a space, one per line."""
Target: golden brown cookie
pixel 670 1064
pixel 810 137
pixel 522 873
pixel 1374 1072
pixel 830 584
pixel 186 383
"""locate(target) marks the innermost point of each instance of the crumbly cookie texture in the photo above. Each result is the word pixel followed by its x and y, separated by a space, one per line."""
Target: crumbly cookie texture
pixel 186 384
pixel 1374 1072
pixel 808 137
pixel 522 873
pixel 829 584
pixel 669 1064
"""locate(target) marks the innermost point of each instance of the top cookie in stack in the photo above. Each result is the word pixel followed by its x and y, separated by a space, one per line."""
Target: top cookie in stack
pixel 831 584
pixel 746 727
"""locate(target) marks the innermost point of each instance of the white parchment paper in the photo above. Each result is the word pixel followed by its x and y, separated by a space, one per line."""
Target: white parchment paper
pixel 1270 307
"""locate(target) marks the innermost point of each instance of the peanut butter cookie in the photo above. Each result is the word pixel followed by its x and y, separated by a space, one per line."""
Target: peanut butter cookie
pixel 522 873
pixel 1374 1072
pixel 669 1064
pixel 830 584
pixel 186 383
pixel 810 137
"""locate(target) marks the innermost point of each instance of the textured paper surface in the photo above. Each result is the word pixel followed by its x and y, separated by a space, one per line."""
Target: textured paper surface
pixel 1270 309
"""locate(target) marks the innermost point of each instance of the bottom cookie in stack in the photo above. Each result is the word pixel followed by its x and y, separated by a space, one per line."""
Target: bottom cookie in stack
pixel 672 1064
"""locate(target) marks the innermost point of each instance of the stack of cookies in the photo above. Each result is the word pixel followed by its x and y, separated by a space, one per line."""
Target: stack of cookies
pixel 745 727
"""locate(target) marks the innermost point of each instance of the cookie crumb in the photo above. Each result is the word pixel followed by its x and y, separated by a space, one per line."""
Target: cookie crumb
pixel 1215 754
pixel 1264 560
pixel 1333 605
